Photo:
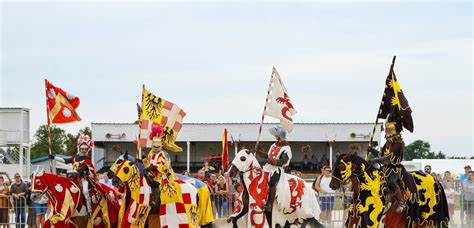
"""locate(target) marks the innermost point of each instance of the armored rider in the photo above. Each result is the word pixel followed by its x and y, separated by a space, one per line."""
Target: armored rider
pixel 391 156
pixel 278 157
pixel 82 165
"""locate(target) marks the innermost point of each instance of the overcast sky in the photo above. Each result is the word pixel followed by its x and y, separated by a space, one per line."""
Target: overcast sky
pixel 214 60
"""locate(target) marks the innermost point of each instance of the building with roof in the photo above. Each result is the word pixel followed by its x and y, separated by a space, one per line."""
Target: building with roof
pixel 43 163
pixel 15 140
pixel 201 140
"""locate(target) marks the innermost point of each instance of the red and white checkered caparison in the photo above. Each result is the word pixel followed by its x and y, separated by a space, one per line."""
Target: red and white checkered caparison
pixel 172 118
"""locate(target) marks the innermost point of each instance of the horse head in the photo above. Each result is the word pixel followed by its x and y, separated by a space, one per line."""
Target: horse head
pixel 244 161
pixel 124 168
pixel 40 182
pixel 346 166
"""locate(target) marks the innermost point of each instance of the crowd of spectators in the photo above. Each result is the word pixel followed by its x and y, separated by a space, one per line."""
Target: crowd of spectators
pixel 219 188
pixel 14 196
pixel 462 186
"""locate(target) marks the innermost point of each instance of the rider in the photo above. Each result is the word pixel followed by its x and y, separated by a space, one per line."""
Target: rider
pixel 392 156
pixel 83 166
pixel 278 157
pixel 156 158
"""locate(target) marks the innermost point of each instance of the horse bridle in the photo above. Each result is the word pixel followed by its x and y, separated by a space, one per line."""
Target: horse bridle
pixel 254 168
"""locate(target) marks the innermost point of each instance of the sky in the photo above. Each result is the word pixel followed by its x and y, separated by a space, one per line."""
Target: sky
pixel 214 59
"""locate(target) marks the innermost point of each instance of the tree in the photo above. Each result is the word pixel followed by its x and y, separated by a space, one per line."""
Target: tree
pixel 40 147
pixel 71 140
pixel 456 157
pixel 420 149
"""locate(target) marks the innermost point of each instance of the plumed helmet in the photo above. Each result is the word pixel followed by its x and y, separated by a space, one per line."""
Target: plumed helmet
pixel 84 141
pixel 156 131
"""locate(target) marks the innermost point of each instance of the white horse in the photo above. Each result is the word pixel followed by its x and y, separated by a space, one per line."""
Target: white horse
pixel 295 201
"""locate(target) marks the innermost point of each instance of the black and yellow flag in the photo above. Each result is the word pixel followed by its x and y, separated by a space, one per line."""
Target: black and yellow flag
pixel 394 101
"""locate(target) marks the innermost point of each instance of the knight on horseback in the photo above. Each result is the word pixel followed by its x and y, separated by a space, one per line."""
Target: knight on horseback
pixel 391 157
pixel 82 167
pixel 155 159
pixel 278 157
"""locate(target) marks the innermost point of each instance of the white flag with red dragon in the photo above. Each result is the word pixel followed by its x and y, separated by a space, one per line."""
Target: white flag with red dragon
pixel 278 102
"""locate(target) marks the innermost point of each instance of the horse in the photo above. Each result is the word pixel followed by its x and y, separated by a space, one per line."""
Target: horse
pixel 193 207
pixel 424 199
pixel 295 201
pixel 136 204
pixel 66 199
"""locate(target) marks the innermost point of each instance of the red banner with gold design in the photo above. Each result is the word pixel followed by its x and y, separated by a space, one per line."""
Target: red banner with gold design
pixel 61 105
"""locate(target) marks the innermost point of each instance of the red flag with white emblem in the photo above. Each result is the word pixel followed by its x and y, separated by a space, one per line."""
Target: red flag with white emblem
pixel 60 105
pixel 278 102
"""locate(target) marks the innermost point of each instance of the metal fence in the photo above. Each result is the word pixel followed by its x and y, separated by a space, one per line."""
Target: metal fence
pixel 13 211
pixel 466 212
pixel 222 204
pixel 337 205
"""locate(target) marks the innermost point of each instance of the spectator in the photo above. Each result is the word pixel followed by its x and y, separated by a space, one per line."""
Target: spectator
pixel 207 169
pixel 63 174
pixel 239 188
pixel 450 194
pixel 326 194
pixel 313 162
pixel 467 169
pixel 4 203
pixel 40 208
pixel 31 219
pixel 428 169
pixel 447 178
pixel 18 191
pixel 469 197
pixel 324 161
pixel 238 205
pixel 213 180
pixel 221 189
pixel 434 175
pixel 106 180
pixel 463 178
pixel 202 177
pixel 305 161
pixel 185 173
pixel 299 174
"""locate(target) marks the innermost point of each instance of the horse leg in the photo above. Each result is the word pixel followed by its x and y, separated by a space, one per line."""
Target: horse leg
pixel 237 217
pixel 80 221
pixel 268 214
pixel 153 220
pixel 311 222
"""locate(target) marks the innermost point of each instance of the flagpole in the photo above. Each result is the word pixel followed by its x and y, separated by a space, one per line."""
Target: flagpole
pixel 49 129
pixel 264 109
pixel 139 147
pixel 377 118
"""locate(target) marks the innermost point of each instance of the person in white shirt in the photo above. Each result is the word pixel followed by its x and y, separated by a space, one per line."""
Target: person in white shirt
pixel 105 180
pixel 450 194
pixel 326 194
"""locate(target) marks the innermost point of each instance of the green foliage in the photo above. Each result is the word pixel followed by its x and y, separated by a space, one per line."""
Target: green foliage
pixel 455 157
pixel 61 142
pixel 420 149
pixel 306 149
pixel 40 147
